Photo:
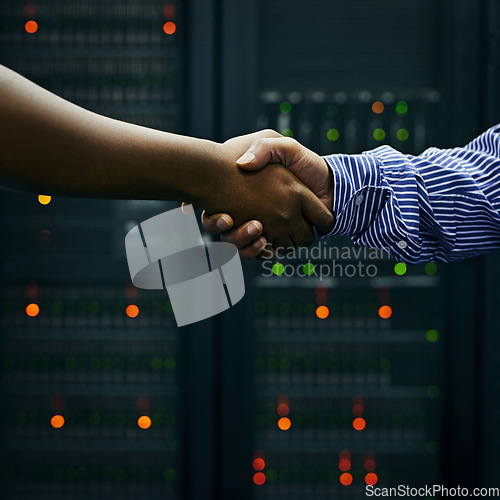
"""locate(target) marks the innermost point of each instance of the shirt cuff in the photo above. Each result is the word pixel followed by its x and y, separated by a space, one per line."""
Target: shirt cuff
pixel 353 176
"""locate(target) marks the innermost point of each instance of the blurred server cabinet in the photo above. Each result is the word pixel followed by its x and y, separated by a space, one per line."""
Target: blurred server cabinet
pixel 349 379
pixel 90 399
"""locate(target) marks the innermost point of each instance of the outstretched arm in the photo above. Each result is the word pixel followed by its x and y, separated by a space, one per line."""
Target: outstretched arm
pixel 50 145
pixel 442 205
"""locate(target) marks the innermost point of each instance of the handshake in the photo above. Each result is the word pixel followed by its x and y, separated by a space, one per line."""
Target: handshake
pixel 273 190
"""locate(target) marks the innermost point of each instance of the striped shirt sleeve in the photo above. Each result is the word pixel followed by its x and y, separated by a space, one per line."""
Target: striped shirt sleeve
pixel 442 205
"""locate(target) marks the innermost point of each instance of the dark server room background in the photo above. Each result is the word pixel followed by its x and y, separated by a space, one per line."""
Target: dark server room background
pixel 307 389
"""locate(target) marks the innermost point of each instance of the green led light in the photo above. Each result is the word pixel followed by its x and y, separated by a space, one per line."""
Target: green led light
pixel 433 391
pixel 157 363
pixel 432 447
pixel 95 418
pixel 379 134
pixel 169 363
pixel 272 363
pixel 259 363
pixel 385 364
pixel 278 269
pixel 287 132
pixel 402 134
pixel 272 475
pixel 332 111
pixel 400 269
pixel 432 335
pixel 71 362
pixel 431 268
pixel 285 107
pixel 308 269
pixel 285 363
pixel 401 108
pixel 285 309
pixel 169 474
pixel 333 135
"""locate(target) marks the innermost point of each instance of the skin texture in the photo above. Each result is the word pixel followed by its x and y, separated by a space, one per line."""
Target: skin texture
pixel 48 145
pixel 310 168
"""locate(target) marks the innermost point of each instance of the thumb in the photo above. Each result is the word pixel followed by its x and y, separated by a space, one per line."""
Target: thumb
pixel 315 212
pixel 265 151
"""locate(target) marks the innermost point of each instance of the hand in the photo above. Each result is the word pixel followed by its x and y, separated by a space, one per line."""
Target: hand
pixel 310 168
pixel 274 196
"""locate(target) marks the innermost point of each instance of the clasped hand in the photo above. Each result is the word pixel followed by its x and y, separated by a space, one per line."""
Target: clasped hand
pixel 293 193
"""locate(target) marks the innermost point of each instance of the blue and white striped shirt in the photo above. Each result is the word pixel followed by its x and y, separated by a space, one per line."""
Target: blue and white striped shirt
pixel 442 205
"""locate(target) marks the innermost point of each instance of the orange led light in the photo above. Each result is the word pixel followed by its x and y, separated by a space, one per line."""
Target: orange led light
pixel 258 463
pixel 359 424
pixel 43 199
pixel 284 423
pixel 346 479
pixel 144 422
pixel 283 410
pixel 132 311
pixel 259 478
pixel 31 27
pixel 32 310
pixel 169 28
pixel 322 312
pixel 57 421
pixel 377 107
pixel 371 478
pixel 385 312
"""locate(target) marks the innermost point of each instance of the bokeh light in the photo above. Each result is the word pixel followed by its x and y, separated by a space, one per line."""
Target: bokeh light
pixel 333 135
pixel 385 312
pixel 377 107
pixel 359 423
pixel 401 108
pixel 400 268
pixel 283 410
pixel 31 27
pixel 284 423
pixel 432 335
pixel 431 268
pixel 371 478
pixel 285 107
pixel 369 465
pixel 322 312
pixel 402 134
pixel 132 311
pixel 346 479
pixel 32 310
pixel 57 421
pixel 259 478
pixel 169 28
pixel 144 422
pixel 379 134
pixel 258 463
pixel 44 199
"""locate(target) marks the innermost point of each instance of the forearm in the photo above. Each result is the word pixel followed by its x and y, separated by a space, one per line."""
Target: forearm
pixel 50 145
pixel 442 205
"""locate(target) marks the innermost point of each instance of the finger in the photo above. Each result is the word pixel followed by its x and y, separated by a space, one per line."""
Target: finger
pixel 316 212
pixel 244 235
pixel 255 249
pixel 264 151
pixel 303 233
pixel 216 223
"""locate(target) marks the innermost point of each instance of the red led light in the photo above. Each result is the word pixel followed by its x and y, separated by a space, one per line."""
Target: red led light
pixel 346 479
pixel 258 463
pixel 369 465
pixel 371 478
pixel 283 410
pixel 344 464
pixel 31 27
pixel 259 478
pixel 357 410
pixel 169 10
